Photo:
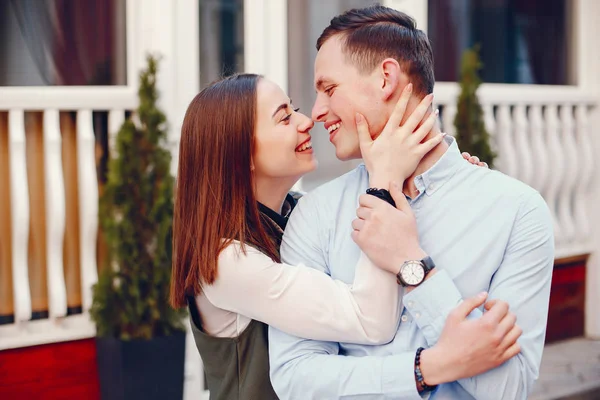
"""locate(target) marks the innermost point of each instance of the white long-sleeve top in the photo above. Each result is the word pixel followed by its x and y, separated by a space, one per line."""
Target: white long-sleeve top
pixel 299 300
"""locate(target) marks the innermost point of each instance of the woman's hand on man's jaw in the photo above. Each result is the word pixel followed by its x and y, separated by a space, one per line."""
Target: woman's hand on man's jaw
pixel 395 154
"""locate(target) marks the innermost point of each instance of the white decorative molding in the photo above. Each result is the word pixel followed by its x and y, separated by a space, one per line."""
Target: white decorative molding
pixel 570 171
pixel 556 155
pixel 67 98
pixel 55 214
pixel 490 124
pixel 539 157
pixel 19 215
pixel 586 171
pixel 506 160
pixel 88 204
pixel 525 170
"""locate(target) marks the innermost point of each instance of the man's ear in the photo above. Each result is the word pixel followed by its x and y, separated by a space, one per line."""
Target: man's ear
pixel 392 78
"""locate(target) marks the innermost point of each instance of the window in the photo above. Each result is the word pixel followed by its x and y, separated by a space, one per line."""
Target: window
pixel 68 42
pixel 524 41
pixel 221 39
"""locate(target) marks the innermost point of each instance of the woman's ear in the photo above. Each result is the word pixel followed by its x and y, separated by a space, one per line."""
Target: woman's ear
pixel 391 75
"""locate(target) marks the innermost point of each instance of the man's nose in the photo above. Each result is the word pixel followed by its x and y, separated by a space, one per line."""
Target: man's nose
pixel 319 110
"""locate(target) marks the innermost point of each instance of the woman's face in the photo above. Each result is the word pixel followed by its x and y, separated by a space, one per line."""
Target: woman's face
pixel 283 147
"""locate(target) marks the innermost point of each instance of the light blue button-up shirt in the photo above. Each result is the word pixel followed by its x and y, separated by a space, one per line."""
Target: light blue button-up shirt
pixel 485 232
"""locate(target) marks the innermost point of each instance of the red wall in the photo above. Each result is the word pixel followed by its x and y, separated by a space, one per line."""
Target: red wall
pixel 50 372
pixel 567 300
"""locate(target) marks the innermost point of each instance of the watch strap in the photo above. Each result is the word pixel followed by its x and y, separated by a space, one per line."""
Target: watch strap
pixel 428 263
pixel 382 194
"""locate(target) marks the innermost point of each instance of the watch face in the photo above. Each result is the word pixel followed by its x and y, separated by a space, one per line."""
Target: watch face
pixel 412 273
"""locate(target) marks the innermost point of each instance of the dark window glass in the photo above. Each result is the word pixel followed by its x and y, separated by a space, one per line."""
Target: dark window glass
pixel 221 39
pixel 521 41
pixel 67 42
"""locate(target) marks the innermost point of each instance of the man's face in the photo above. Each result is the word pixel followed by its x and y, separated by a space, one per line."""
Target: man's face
pixel 342 91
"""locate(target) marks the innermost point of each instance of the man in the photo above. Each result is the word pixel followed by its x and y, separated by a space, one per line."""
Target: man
pixel 483 230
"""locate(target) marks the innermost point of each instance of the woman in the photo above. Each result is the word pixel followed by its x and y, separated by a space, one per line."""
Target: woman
pixel 242 149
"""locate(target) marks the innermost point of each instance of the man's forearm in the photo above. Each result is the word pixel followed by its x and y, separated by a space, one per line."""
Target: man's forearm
pixel 340 377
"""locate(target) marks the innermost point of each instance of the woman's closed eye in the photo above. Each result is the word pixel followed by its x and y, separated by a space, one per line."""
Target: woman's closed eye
pixel 287 117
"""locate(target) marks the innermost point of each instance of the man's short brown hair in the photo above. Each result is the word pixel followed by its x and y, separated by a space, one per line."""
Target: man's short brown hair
pixel 371 34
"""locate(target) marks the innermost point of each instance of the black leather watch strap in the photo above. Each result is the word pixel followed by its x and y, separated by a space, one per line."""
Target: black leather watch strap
pixel 382 194
pixel 429 264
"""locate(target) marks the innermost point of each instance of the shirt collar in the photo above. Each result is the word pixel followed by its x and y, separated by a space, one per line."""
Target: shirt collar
pixel 441 172
pixel 279 219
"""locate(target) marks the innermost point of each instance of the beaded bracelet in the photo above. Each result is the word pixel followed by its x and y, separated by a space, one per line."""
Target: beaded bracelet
pixel 419 375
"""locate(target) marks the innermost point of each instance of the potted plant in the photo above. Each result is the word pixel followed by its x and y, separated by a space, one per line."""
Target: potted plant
pixel 140 338
pixel 471 134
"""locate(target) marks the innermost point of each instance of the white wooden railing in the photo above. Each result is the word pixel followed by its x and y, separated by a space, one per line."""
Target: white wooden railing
pixel 16 101
pixel 542 137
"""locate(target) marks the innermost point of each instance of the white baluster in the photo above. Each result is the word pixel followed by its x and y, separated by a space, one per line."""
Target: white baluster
pixel 490 124
pixel 507 161
pixel 88 204
pixel 556 155
pixel 448 119
pixel 115 120
pixel 55 214
pixel 570 172
pixel 522 147
pixel 540 155
pixel 586 170
pixel 19 212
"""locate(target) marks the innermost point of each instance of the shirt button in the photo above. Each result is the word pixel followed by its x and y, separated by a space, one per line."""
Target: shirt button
pixel 431 187
pixel 411 303
pixel 404 318
pixel 417 315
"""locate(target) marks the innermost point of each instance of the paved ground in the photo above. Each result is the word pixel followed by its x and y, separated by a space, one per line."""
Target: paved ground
pixel 570 371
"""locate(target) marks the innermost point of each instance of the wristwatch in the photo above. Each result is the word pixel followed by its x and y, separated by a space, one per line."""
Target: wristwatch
pixel 414 272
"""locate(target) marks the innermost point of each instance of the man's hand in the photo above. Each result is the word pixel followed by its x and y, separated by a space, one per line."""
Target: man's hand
pixel 387 235
pixel 467 348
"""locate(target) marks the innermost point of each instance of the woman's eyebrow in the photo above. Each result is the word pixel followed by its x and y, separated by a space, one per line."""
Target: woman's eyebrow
pixel 281 107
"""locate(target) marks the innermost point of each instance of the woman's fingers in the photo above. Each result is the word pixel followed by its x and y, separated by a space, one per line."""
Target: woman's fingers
pixel 425 128
pixel 418 114
pixel 398 113
pixel 362 127
pixel 429 145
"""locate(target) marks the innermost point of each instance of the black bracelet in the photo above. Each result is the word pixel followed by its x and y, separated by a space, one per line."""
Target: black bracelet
pixel 382 194
pixel 419 375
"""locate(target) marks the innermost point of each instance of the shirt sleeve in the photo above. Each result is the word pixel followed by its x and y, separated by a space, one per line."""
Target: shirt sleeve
pixel 314 370
pixel 523 280
pixel 311 369
pixel 305 301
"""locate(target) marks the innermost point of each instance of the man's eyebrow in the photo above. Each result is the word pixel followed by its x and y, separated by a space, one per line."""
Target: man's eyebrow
pixel 282 106
pixel 321 82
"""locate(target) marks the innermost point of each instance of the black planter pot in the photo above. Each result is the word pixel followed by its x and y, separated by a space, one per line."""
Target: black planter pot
pixel 141 369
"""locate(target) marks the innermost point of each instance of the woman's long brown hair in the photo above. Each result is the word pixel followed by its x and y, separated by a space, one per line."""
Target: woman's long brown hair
pixel 214 198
